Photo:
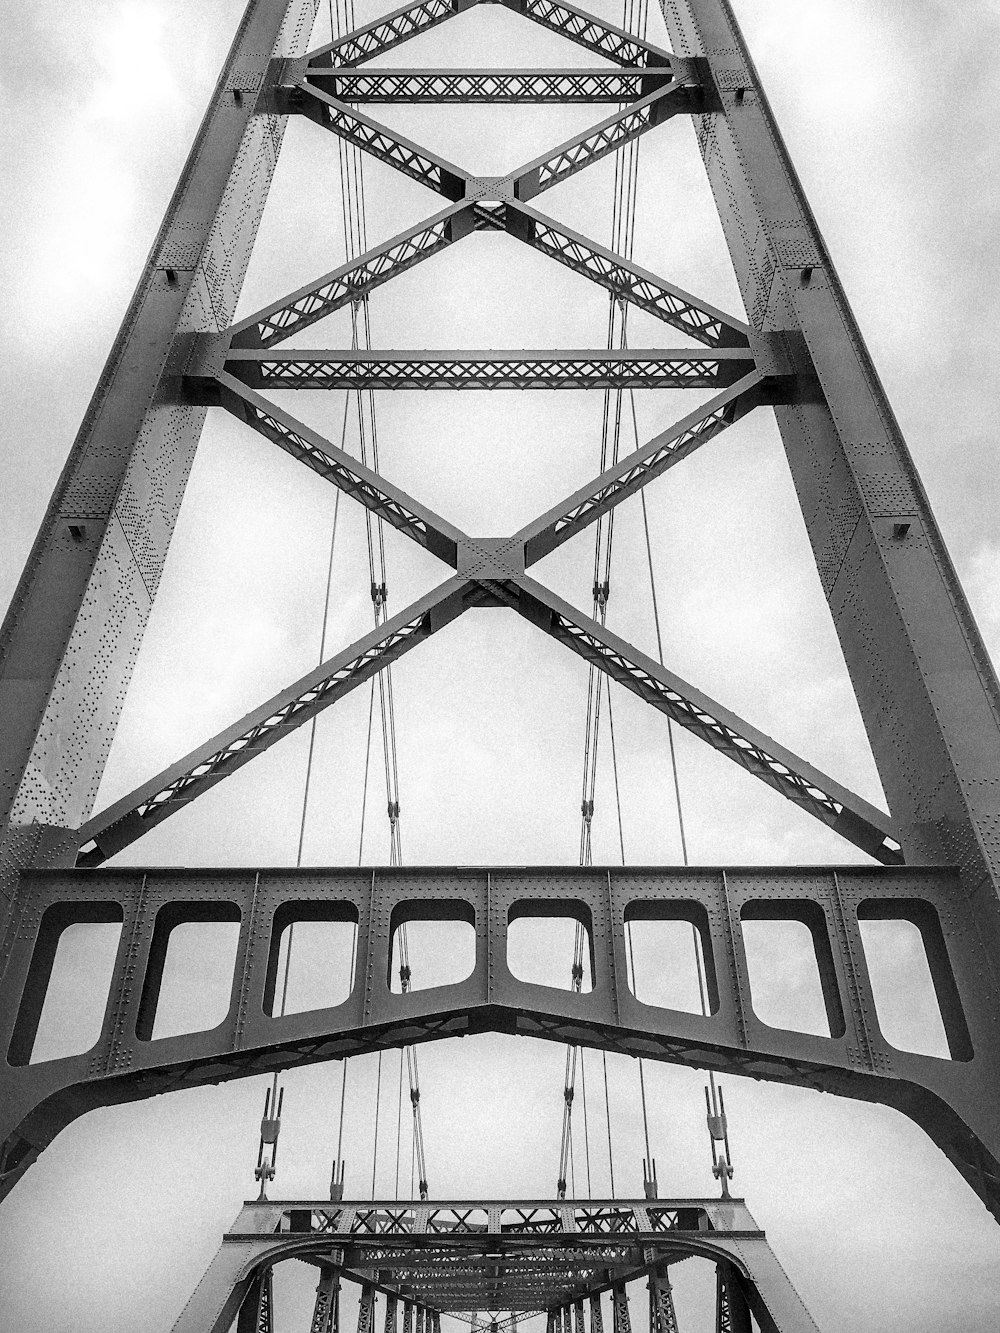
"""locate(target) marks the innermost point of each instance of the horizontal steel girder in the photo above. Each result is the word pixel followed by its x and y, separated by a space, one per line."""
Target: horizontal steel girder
pixel 483 85
pixel 951 1099
pixel 585 369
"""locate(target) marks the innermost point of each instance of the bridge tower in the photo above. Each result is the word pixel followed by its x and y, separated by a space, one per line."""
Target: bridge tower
pixel 927 693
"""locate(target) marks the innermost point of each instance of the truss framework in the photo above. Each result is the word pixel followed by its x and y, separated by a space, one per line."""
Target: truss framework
pixel 927 692
pixel 494 1257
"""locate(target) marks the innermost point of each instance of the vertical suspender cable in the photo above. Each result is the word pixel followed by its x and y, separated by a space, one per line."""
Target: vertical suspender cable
pixel 352 179
pixel 635 18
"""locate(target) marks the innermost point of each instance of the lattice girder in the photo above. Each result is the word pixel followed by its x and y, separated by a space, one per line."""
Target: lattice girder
pixel 492 86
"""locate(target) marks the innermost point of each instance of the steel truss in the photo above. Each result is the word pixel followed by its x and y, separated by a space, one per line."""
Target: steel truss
pixel 522 1257
pixel 926 690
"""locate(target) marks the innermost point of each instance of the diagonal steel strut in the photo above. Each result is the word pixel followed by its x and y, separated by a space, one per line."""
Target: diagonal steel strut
pixel 144 808
pixel 383 33
pixel 629 476
pixel 843 811
pixel 355 279
pixel 379 496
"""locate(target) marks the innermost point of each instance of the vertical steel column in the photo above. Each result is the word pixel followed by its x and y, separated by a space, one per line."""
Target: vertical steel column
pixel 596 1316
pixel 73 630
pixel 732 1314
pixel 390 1314
pixel 325 1309
pixel 926 689
pixel 662 1315
pixel 256 1311
pixel 366 1310
pixel 619 1299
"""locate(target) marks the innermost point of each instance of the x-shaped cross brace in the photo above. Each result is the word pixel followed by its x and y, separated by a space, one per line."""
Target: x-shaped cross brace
pixel 490 572
pixel 493 204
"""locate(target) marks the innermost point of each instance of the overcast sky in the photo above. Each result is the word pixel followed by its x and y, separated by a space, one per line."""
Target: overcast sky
pixel 887 109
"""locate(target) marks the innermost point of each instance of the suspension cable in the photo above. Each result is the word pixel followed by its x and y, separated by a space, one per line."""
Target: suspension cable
pixel 713 1092
pixel 623 218
pixel 354 218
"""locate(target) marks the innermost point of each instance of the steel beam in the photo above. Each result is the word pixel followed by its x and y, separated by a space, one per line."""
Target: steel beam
pixel 638 468
pixel 585 29
pixel 609 135
pixel 842 810
pixel 522 86
pixel 487 575
pixel 353 281
pixel 624 280
pixel 376 139
pixel 126 820
pixel 378 496
pixel 633 368
pixel 386 32
pixel 950 1098
pixel 490 573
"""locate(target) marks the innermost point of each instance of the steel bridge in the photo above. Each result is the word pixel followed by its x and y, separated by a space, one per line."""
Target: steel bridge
pixel 926 690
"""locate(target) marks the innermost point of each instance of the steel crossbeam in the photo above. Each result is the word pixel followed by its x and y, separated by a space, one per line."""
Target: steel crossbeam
pixel 629 476
pixel 259 730
pixel 585 29
pixel 353 478
pixel 524 86
pixel 624 280
pixel 633 368
pixel 843 811
pixel 950 1097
